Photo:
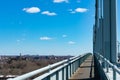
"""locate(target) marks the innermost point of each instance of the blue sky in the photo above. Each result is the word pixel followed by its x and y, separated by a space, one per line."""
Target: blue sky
pixel 46 27
pixel 118 20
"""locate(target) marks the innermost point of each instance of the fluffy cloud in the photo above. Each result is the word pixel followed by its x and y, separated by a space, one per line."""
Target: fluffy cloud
pixel 64 36
pixel 71 11
pixel 60 1
pixel 78 1
pixel 78 10
pixel 49 13
pixel 71 42
pixel 32 10
pixel 81 10
pixel 18 40
pixel 45 38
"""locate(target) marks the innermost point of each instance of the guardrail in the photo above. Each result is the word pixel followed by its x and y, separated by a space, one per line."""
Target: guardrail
pixel 107 65
pixel 58 71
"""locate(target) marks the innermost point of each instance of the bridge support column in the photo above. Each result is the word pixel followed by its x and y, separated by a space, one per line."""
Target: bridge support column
pixel 109 15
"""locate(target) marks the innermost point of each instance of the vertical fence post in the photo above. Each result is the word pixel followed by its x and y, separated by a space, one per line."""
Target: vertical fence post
pixel 57 75
pixel 49 67
pixel 70 69
pixel 66 72
pixel 63 74
pixel 107 65
pixel 48 78
pixel 75 65
pixel 114 73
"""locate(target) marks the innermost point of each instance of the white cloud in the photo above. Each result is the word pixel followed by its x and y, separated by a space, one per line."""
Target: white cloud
pixel 49 13
pixel 78 1
pixel 71 11
pixel 81 10
pixel 32 10
pixel 71 42
pixel 45 38
pixel 64 36
pixel 18 40
pixel 78 10
pixel 60 1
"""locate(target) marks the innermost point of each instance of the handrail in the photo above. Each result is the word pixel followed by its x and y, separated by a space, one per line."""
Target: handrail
pixel 51 72
pixel 109 64
pixel 35 72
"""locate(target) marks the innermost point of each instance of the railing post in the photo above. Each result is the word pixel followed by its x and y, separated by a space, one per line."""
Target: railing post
pixel 107 65
pixel 49 67
pixel 63 74
pixel 57 75
pixel 70 69
pixel 67 72
pixel 47 78
pixel 103 63
pixel 114 73
pixel 75 65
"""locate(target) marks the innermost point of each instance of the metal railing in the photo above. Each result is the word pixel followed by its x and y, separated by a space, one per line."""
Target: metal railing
pixel 58 71
pixel 107 65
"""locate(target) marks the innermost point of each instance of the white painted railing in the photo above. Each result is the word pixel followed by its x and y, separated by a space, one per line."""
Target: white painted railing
pixel 58 71
pixel 107 66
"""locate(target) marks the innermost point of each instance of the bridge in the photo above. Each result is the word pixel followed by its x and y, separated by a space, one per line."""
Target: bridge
pixel 102 64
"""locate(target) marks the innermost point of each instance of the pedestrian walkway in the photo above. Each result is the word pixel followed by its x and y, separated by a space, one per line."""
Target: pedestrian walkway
pixel 85 71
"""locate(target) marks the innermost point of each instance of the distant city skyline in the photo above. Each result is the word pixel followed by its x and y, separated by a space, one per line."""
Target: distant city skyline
pixel 52 27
